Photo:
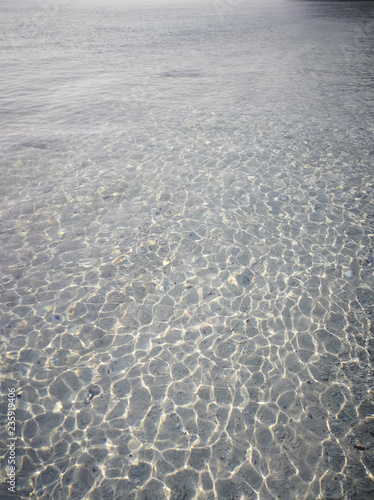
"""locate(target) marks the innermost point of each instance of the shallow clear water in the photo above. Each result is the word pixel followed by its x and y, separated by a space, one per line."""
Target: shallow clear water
pixel 187 222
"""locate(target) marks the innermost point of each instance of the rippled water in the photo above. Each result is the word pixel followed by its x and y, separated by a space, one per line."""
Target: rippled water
pixel 187 222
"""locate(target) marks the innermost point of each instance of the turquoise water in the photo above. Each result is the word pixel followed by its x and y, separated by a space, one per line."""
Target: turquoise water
pixel 186 224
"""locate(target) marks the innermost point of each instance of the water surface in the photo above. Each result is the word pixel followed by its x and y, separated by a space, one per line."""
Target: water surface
pixel 187 225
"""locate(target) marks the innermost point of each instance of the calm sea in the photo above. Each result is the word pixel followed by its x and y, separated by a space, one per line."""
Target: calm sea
pixel 186 266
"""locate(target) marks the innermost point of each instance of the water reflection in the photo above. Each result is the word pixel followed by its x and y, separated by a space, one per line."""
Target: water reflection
pixel 187 267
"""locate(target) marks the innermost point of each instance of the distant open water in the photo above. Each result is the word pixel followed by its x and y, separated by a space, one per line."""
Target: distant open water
pixel 186 224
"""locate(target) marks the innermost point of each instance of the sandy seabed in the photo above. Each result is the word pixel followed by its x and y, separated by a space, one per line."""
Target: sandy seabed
pixel 206 337
pixel 186 275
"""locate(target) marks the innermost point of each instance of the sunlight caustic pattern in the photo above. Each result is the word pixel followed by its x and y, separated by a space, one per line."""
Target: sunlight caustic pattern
pixel 180 340
pixel 186 279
